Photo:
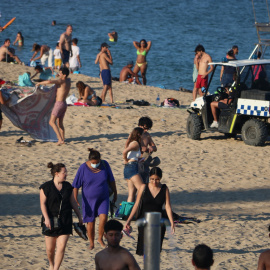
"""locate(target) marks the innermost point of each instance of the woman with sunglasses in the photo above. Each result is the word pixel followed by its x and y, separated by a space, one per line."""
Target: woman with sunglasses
pixel 153 195
pixel 142 48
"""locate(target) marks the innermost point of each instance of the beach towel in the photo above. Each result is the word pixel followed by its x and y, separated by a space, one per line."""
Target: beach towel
pixel 30 110
pixel 24 80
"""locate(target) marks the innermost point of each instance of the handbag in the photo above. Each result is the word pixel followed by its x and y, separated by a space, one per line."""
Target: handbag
pixel 110 189
pixel 56 223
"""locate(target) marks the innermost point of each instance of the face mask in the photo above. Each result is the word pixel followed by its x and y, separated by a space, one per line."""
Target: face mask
pixel 95 165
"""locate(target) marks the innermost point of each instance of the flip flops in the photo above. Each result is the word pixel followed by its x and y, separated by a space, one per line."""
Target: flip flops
pixel 80 230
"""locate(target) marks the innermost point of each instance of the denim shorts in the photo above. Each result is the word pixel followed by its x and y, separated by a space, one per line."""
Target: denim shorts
pixel 131 169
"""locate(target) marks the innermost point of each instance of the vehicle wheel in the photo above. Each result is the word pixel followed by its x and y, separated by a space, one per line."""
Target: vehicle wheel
pixel 254 132
pixel 194 126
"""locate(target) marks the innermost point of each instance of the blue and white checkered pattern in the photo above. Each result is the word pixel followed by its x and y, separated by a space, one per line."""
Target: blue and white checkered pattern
pixel 253 110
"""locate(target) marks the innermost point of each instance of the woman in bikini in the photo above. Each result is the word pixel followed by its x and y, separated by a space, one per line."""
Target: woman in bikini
pixel 46 53
pixel 87 94
pixel 143 48
pixel 19 39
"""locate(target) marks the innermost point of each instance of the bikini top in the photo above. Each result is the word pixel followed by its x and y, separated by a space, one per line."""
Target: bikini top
pixel 144 53
pixel 90 96
pixel 134 155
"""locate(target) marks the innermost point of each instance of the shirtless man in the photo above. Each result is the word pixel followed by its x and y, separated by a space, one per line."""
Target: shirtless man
pixel 104 59
pixel 264 260
pixel 115 257
pixel 127 74
pixel 65 45
pixel 60 106
pixel 5 54
pixel 202 67
pixel 202 257
pixel 147 147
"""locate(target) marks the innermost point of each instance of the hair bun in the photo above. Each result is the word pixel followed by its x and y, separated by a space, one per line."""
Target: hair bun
pixel 50 165
pixel 90 149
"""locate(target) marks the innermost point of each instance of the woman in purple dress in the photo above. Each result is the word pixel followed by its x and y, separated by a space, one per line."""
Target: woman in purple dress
pixel 95 177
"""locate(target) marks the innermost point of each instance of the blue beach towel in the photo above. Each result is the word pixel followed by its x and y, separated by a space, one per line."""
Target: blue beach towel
pixel 24 80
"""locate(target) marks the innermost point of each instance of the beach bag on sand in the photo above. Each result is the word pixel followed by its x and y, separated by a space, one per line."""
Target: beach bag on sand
pixel 170 102
pixel 124 210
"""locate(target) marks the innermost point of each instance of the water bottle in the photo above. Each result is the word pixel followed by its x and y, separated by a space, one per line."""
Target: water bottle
pixel 158 100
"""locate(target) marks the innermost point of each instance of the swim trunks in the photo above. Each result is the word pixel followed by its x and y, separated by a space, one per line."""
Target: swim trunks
pixel 65 56
pixel 222 105
pixel 59 109
pixel 57 62
pixel 106 77
pixel 202 82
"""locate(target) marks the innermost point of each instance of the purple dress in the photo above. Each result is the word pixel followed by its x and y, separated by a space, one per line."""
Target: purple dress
pixel 95 190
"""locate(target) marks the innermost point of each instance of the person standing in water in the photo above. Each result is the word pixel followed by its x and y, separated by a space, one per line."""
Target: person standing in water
pixel 65 45
pixel 142 48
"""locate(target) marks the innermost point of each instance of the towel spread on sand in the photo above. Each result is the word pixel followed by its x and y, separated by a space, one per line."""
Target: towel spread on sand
pixel 30 110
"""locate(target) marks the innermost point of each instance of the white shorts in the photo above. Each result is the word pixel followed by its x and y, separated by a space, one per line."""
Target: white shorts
pixel 48 55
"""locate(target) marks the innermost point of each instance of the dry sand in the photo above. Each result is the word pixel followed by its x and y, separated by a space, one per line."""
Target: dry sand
pixel 223 182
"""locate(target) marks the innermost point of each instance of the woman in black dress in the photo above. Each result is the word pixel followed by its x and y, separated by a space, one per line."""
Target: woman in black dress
pixel 153 196
pixel 57 200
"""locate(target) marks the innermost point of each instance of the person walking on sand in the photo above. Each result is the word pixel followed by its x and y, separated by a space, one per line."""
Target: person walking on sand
pixel 202 66
pixel 104 58
pixel 60 106
pixel 65 45
pixel 114 256
pixel 95 177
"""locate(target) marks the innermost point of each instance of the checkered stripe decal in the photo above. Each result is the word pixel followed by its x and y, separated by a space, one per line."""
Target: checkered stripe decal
pixel 253 110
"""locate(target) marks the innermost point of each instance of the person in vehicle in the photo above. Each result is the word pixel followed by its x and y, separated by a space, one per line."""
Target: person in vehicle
pixel 221 104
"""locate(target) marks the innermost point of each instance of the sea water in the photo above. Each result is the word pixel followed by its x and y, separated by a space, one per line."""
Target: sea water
pixel 174 27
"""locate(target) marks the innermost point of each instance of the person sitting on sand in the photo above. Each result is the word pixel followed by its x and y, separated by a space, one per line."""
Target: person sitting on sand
pixel 19 39
pixel 264 259
pixel 142 48
pixel 87 94
pixel 6 55
pixel 113 36
pixel 127 75
pixel 114 256
pixel 202 257
pixel 46 53
pixel 60 106
pixel 44 73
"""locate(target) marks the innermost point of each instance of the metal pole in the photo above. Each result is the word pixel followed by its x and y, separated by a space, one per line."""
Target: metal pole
pixel 152 236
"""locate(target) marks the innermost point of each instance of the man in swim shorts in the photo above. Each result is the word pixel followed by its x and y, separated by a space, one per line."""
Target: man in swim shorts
pixel 202 66
pixel 104 58
pixel 202 257
pixel 60 106
pixel 65 45
pixel 114 256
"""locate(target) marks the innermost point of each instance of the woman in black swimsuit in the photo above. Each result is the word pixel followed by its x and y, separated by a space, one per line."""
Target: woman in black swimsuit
pixel 154 195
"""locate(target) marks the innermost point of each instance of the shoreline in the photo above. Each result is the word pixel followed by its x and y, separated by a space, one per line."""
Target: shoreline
pixel 213 179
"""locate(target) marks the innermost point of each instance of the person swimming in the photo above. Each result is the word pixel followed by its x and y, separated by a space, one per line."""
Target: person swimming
pixel 113 36
pixel 143 48
pixel 19 39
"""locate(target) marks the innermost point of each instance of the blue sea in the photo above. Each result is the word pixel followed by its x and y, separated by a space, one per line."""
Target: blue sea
pixel 174 27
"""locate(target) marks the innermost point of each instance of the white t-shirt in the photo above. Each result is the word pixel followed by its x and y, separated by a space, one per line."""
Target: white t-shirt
pixel 57 54
pixel 73 61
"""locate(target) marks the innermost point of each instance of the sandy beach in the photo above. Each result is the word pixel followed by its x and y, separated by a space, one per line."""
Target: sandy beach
pixel 223 182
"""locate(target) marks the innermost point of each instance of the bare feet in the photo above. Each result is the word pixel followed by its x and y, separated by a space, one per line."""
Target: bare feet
pixel 91 246
pixel 60 143
pixel 100 241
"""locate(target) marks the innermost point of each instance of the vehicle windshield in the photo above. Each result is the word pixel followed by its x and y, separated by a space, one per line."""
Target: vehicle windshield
pixel 251 77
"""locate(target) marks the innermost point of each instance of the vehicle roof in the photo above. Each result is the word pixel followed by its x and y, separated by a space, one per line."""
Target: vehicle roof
pixel 241 63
